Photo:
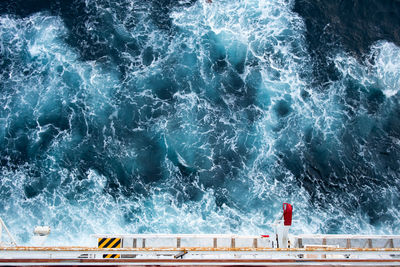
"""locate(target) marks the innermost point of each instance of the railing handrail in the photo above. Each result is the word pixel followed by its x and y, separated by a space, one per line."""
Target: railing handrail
pixel 175 236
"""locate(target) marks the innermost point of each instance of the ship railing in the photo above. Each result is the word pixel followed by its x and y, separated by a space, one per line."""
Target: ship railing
pixel 346 241
pixel 198 253
pixel 185 240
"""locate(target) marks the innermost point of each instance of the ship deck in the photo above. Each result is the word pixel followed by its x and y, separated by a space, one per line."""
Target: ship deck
pixel 145 250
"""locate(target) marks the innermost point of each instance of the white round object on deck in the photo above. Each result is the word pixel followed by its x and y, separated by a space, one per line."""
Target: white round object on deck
pixel 42 230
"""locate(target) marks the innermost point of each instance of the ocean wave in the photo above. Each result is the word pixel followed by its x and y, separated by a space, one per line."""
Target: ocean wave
pixel 191 117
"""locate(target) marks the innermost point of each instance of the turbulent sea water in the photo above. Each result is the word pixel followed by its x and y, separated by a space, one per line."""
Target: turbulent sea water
pixel 160 116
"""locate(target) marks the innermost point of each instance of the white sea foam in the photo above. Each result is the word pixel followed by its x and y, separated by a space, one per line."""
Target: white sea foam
pixel 387 67
pixel 198 134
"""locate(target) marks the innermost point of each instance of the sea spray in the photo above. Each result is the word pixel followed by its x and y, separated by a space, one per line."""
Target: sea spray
pixel 188 117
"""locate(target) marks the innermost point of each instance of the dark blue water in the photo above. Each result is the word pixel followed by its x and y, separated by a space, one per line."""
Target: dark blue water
pixel 183 116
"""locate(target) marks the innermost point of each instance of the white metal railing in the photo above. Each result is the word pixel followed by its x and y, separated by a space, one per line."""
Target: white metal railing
pixel 3 226
pixel 215 241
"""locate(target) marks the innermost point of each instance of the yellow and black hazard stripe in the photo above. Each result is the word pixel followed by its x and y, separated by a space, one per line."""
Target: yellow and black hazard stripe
pixel 109 243
pixel 111 256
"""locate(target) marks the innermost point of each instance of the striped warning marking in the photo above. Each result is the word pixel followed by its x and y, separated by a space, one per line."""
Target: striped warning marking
pixel 109 243
pixel 111 256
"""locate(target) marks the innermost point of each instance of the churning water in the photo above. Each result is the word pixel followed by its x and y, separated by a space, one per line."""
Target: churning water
pixel 137 116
